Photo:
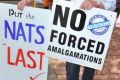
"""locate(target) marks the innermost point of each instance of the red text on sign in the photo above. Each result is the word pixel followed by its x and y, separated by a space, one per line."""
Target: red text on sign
pixel 21 59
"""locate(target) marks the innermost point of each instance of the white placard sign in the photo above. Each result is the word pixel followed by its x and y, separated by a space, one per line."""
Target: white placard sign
pixel 79 36
pixel 22 41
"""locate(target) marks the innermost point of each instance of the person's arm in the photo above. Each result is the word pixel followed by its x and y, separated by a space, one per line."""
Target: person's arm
pixel 103 4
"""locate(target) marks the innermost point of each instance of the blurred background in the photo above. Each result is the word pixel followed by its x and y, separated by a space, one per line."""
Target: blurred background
pixel 111 69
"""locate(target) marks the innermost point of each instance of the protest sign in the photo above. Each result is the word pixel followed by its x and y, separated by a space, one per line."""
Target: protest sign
pixel 22 41
pixel 79 36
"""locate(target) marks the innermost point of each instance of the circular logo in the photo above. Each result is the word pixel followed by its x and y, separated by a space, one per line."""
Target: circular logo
pixel 98 25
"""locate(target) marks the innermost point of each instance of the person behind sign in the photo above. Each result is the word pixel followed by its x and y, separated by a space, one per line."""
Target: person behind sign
pixel 72 70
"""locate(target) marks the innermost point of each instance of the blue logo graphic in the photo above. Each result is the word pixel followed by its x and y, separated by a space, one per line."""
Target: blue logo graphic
pixel 98 25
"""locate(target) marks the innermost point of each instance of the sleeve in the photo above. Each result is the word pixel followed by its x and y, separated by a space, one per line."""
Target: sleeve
pixel 109 4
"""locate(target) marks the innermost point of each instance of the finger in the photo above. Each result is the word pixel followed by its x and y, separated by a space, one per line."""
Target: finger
pixel 85 6
pixel 89 7
pixel 19 6
pixel 82 5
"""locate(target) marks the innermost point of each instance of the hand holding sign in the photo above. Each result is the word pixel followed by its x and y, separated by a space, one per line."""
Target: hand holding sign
pixel 88 4
pixel 24 3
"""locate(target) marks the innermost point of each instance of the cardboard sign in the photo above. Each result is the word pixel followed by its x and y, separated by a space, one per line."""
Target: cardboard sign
pixel 79 36
pixel 22 41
